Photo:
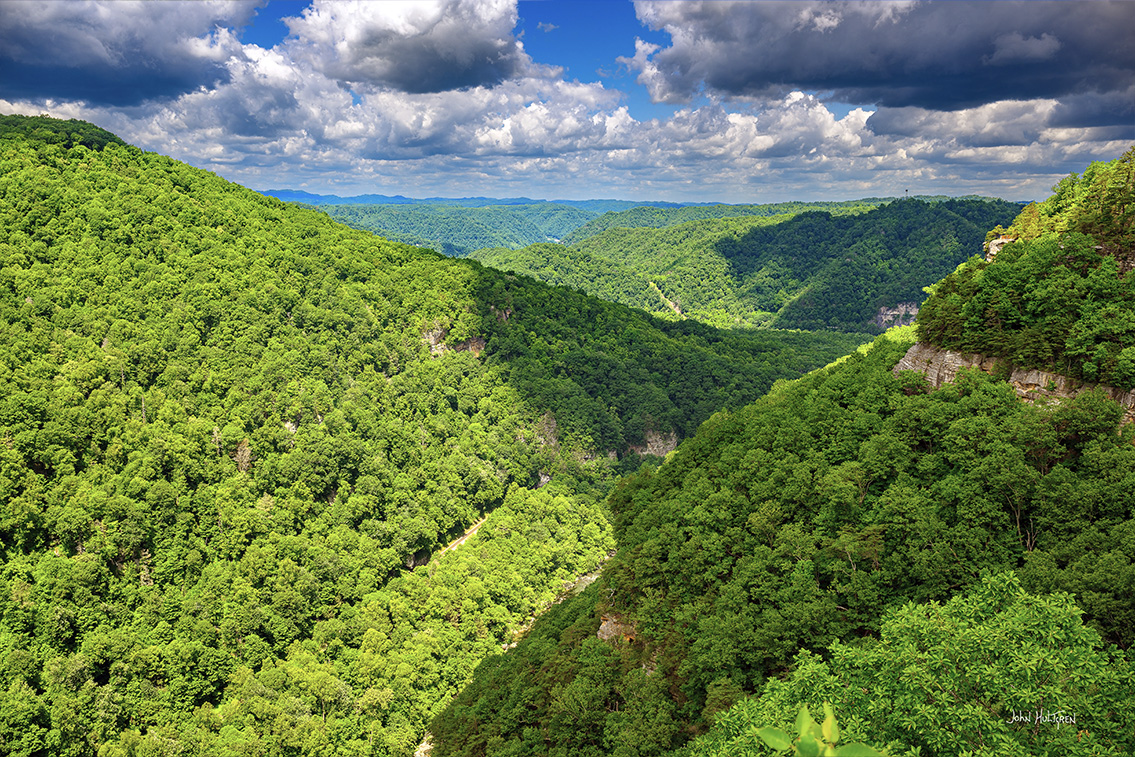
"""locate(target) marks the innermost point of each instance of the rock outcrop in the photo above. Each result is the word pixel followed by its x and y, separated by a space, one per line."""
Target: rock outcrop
pixel 901 314
pixel 657 443
pixel 941 367
pixel 613 627
pixel 435 340
pixel 995 246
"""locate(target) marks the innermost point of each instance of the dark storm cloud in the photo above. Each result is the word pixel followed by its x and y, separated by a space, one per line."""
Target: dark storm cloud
pixel 115 53
pixel 1113 109
pixel 414 48
pixel 944 55
pixel 1007 123
pixel 102 84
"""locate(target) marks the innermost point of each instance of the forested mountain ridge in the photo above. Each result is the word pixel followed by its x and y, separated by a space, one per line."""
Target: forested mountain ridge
pixel 808 521
pixel 661 217
pixel 593 207
pixel 465 226
pixel 233 432
pixel 54 131
pixel 666 272
pixel 933 562
pixel 1060 296
pixel 813 270
pixel 457 231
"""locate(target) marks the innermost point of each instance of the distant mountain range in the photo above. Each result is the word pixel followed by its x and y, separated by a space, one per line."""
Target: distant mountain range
pixel 595 206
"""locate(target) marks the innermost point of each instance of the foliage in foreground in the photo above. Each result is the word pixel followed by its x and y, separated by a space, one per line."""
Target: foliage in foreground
pixel 993 671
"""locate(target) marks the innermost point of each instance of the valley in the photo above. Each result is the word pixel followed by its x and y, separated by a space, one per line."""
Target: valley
pixel 917 552
pixel 235 432
pixel 270 484
pixel 517 378
pixel 833 266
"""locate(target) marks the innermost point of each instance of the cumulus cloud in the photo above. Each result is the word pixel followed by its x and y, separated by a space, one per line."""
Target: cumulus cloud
pixel 1004 123
pixel 117 52
pixel 413 47
pixel 440 98
pixel 941 55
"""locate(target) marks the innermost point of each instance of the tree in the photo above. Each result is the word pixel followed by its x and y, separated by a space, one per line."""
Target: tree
pixel 993 671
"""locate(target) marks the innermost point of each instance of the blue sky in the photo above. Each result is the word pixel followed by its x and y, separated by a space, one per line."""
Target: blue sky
pixel 554 33
pixel 568 35
pixel 723 101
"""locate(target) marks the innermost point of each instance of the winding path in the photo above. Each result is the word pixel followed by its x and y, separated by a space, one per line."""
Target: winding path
pixel 461 539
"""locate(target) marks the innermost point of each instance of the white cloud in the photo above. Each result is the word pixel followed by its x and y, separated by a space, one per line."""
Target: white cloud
pixel 287 117
pixel 427 46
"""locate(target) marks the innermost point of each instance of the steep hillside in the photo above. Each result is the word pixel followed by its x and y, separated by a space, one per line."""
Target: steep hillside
pixel 949 566
pixel 814 270
pixel 659 218
pixel 811 518
pixel 1061 297
pixel 666 272
pixel 458 231
pixel 234 435
pixel 56 132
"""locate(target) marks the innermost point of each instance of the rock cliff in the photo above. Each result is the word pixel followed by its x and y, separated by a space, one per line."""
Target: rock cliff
pixel 942 366
pixel 901 314
pixel 658 443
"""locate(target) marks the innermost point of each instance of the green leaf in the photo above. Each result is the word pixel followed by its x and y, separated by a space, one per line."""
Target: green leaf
pixel 809 747
pixel 857 750
pixel 775 738
pixel 830 727
pixel 805 726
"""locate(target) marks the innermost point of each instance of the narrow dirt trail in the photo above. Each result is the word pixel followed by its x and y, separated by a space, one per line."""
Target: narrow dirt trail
pixel 670 303
pixel 461 539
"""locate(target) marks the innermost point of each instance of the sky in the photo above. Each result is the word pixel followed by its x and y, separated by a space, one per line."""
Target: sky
pixel 680 101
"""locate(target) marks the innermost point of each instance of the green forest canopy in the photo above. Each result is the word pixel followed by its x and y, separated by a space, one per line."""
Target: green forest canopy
pixel 812 270
pixel 932 562
pixel 457 231
pixel 234 435
pixel 661 217
pixel 803 523
pixel 1061 297
pixel 460 228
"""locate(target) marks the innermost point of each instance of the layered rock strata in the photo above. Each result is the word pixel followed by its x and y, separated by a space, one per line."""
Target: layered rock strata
pixel 941 367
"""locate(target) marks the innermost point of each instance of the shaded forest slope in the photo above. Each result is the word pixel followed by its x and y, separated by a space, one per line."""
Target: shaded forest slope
pixel 808 520
pixel 812 270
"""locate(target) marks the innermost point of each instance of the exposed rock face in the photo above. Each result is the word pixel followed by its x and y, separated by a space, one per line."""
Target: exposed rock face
pixel 901 314
pixel 613 627
pixel 425 747
pixel 995 246
pixel 942 366
pixel 435 340
pixel 658 443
